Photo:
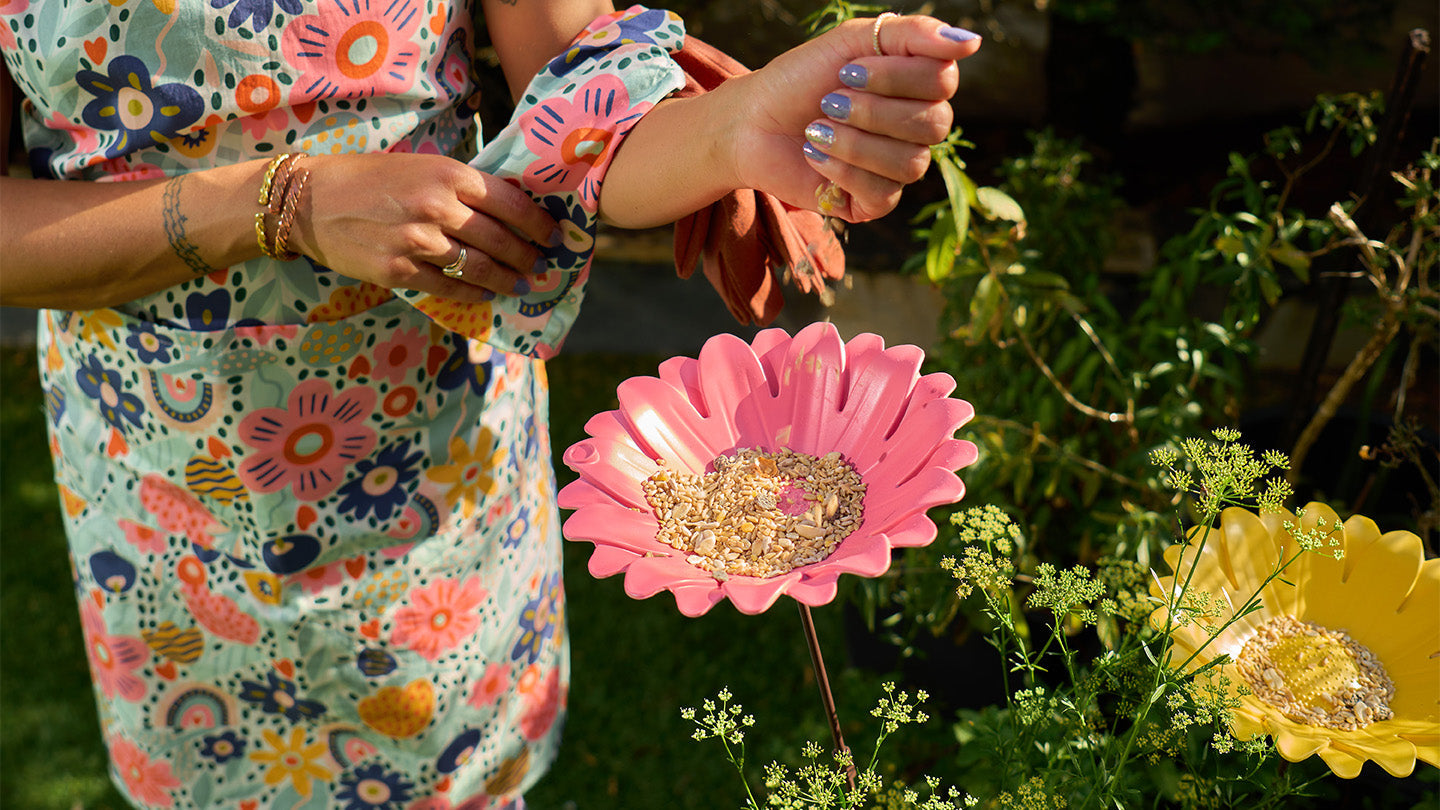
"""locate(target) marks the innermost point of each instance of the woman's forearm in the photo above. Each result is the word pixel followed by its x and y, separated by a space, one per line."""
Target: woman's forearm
pixel 83 245
pixel 678 159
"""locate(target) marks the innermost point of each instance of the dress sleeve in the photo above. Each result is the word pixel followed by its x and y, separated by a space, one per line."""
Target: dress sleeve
pixel 557 147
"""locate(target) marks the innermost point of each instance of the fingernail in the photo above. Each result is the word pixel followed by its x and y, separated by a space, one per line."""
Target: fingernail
pixel 820 134
pixel 854 76
pixel 556 237
pixel 522 287
pixel 487 295
pixel 835 106
pixel 814 154
pixel 954 34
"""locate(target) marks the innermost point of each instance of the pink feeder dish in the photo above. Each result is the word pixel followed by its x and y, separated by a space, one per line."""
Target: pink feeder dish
pixel 812 394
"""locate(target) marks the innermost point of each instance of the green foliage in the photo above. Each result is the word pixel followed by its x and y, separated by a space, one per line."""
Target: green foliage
pixel 1127 724
pixel 821 781
pixel 1074 391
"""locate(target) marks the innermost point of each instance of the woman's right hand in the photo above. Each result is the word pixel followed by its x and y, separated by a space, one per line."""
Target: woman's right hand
pixel 395 219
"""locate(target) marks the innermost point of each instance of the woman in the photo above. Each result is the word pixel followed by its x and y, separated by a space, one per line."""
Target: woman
pixel 297 412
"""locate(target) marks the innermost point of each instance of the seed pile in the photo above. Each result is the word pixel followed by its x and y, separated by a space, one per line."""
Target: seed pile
pixel 760 513
pixel 1315 675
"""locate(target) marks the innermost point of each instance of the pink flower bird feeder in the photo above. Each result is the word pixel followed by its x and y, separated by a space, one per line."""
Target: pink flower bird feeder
pixel 812 393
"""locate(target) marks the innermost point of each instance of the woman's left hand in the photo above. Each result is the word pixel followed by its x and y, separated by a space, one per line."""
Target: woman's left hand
pixel 833 111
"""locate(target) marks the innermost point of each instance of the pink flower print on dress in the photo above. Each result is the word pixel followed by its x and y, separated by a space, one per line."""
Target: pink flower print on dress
pixel 491 686
pixel 9 8
pixel 218 614
pixel 144 538
pixel 353 49
pixel 176 510
pixel 438 618
pixel 395 357
pixel 113 659
pixel 542 707
pixel 575 140
pixel 149 781
pixel 256 125
pixel 310 443
pixel 86 140
pixel 317 578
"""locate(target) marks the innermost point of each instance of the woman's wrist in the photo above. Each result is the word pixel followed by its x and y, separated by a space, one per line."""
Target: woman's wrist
pixel 679 158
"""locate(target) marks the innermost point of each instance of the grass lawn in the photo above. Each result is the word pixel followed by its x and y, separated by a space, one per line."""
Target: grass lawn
pixel 636 663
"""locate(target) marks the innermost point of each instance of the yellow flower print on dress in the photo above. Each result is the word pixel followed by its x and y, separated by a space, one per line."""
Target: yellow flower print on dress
pixel 470 476
pixel 292 760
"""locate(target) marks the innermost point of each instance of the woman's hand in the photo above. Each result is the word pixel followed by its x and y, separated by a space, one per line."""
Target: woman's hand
pixel 396 219
pixel 832 110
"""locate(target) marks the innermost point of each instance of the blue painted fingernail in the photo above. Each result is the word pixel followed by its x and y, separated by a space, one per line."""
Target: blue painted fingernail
pixel 487 295
pixel 954 34
pixel 815 154
pixel 853 75
pixel 556 237
pixel 522 287
pixel 835 106
pixel 820 134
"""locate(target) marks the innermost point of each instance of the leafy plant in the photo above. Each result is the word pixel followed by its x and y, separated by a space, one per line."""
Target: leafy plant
pixel 1132 722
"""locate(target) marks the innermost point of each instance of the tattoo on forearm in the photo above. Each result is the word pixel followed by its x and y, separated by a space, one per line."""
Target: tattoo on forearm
pixel 175 230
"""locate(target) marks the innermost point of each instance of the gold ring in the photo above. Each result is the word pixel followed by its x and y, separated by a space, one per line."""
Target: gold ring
pixel 829 197
pixel 456 269
pixel 875 31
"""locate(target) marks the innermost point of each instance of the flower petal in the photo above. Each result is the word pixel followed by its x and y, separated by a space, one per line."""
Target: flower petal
pixel 726 376
pixel 1395 755
pixel 864 553
pixel 754 595
pixel 890 505
pixel 607 561
pixel 814 592
pixel 614 525
pixel 694 600
pixel 667 426
pixel 921 434
pixel 1294 744
pixel 812 386
pixel 1427 747
pixel 648 576
pixel 917 530
pixel 610 471
pixel 1343 763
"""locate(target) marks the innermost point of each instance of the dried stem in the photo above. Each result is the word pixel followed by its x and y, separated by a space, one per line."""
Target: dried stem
pixel 817 661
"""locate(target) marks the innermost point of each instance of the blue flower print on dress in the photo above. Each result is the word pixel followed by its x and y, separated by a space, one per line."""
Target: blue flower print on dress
pixel 538 620
pixel 222 747
pixel 459 751
pixel 143 115
pixel 208 312
pixel 112 572
pixel 149 347
pixel 55 403
pixel 576 242
pixel 372 787
pixel 459 370
pixel 278 697
pixel 381 485
pixel 105 386
pixel 260 12
pixel 518 528
pixel 630 27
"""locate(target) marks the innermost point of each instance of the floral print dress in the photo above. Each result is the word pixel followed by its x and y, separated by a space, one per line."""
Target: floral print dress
pixel 311 521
